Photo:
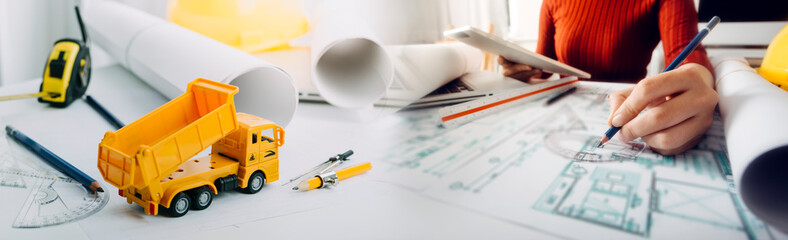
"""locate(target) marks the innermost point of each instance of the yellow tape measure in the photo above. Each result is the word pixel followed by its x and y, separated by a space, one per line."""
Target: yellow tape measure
pixel 66 73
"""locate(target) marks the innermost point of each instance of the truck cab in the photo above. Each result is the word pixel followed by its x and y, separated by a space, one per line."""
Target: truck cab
pixel 255 145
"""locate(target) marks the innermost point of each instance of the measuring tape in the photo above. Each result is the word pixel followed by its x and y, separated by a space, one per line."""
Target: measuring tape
pixel 464 112
pixel 66 73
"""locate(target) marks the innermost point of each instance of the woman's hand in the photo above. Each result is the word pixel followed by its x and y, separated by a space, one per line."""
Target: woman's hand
pixel 670 111
pixel 518 71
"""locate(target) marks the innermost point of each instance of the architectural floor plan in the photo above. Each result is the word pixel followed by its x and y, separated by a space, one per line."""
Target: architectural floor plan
pixel 539 166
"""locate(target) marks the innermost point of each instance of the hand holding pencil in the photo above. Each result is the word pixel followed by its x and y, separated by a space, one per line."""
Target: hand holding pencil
pixel 679 108
pixel 669 111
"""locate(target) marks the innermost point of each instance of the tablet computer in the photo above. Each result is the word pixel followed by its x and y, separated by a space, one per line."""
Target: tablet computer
pixel 513 52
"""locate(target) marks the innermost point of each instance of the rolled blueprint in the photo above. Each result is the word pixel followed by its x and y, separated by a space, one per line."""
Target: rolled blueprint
pixel 355 73
pixel 420 69
pixel 167 57
pixel 350 68
pixel 754 113
pixel 353 69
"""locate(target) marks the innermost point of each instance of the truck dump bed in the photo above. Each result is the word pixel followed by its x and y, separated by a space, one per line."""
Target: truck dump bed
pixel 155 145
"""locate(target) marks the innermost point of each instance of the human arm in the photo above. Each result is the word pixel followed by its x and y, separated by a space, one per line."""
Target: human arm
pixel 669 111
pixel 682 100
pixel 678 25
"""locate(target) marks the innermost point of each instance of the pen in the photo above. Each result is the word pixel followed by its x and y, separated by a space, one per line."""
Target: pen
pixel 103 112
pixel 331 178
pixel 50 157
pixel 561 95
pixel 678 60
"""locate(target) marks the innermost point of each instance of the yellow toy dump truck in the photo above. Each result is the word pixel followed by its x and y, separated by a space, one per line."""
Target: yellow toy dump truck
pixel 150 160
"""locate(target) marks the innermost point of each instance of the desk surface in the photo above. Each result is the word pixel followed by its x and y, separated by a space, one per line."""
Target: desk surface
pixel 362 207
pixel 356 208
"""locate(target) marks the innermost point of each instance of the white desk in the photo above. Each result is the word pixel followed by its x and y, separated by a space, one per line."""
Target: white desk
pixel 363 207
pixel 357 208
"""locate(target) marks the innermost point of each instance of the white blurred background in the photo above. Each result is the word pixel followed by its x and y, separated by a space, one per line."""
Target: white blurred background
pixel 29 28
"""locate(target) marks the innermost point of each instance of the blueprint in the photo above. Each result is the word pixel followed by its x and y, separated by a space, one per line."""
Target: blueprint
pixel 539 166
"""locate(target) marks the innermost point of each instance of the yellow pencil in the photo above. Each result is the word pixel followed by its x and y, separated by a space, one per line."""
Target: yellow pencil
pixel 331 178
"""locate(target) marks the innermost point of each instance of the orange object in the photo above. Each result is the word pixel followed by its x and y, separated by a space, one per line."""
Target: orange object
pixel 464 112
pixel 150 162
pixel 617 45
pixel 331 178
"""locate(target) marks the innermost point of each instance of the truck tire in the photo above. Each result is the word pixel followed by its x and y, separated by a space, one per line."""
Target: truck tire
pixel 179 206
pixel 256 182
pixel 201 197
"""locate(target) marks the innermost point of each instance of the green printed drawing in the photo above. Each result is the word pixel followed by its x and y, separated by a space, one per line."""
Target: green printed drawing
pixel 634 190
pixel 692 202
pixel 561 120
pixel 448 150
pixel 498 166
pixel 608 197
pixel 688 187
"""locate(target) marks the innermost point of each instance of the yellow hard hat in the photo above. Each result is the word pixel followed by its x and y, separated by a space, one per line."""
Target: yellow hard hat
pixel 249 25
pixel 775 63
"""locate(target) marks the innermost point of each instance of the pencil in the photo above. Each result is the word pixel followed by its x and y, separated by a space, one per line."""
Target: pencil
pixel 103 112
pixel 675 63
pixel 50 157
pixel 561 95
pixel 331 178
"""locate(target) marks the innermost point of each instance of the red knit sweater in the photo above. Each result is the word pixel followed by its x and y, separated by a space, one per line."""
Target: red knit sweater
pixel 613 39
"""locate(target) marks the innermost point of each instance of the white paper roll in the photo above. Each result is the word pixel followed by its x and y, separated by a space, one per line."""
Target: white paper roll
pixel 167 57
pixel 356 73
pixel 350 68
pixel 754 114
pixel 353 69
pixel 420 69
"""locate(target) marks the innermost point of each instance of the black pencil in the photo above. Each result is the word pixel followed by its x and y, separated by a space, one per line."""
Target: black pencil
pixel 103 112
pixel 561 95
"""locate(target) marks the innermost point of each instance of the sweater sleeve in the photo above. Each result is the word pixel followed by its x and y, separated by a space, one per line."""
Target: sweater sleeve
pixel 546 43
pixel 678 24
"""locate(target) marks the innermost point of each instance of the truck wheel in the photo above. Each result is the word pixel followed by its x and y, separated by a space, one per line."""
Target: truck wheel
pixel 256 183
pixel 201 198
pixel 179 205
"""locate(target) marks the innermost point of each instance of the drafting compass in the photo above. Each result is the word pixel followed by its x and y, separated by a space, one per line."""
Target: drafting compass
pixel 326 166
